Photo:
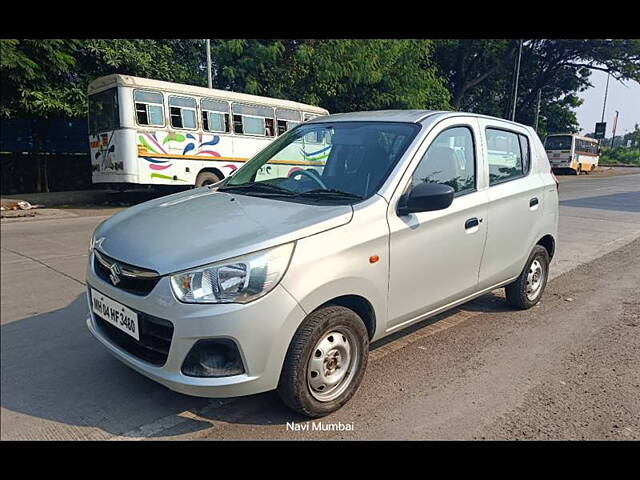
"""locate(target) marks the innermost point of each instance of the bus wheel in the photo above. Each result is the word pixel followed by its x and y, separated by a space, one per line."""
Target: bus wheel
pixel 206 178
pixel 578 170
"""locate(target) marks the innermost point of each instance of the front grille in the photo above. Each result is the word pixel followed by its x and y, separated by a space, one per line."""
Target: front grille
pixel 155 337
pixel 132 279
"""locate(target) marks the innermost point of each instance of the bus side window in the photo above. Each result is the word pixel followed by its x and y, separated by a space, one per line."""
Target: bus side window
pixel 253 120
pixel 286 119
pixel 268 127
pixel 149 108
pixel 215 115
pixel 253 125
pixel 285 126
pixel 282 126
pixel 237 124
pixel 182 111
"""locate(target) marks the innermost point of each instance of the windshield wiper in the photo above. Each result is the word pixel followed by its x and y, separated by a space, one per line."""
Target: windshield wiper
pixel 331 192
pixel 257 187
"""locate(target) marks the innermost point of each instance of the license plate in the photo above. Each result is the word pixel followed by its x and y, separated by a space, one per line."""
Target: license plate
pixel 115 313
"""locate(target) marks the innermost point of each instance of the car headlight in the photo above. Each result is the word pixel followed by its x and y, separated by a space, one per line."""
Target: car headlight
pixel 236 280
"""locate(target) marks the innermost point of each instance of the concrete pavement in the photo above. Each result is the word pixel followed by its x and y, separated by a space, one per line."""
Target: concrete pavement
pixel 59 383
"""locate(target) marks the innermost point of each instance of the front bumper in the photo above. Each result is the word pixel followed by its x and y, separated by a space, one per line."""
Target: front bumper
pixel 262 331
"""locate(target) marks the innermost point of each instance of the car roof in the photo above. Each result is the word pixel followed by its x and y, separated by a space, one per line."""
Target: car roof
pixel 412 116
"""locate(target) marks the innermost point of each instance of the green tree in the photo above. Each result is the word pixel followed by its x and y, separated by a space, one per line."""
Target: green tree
pixel 479 74
pixel 35 77
pixel 49 78
pixel 351 75
pixel 467 64
pixel 567 64
pixel 340 75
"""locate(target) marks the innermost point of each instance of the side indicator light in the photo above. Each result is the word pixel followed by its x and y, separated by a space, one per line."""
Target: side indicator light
pixel 374 258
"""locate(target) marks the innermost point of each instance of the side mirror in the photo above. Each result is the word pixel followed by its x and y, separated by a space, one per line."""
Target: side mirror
pixel 426 197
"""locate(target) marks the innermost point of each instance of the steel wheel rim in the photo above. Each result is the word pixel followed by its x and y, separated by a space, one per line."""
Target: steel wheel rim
pixel 332 365
pixel 535 279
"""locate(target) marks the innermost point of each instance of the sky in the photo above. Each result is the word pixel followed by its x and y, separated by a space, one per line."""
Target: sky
pixel 624 97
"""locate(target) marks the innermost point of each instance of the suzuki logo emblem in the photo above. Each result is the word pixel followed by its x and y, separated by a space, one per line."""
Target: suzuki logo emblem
pixel 115 273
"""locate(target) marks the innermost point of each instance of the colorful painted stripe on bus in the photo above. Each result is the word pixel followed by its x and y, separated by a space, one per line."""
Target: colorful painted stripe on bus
pixel 161 150
pixel 166 177
pixel 103 152
pixel 316 156
pixel 151 148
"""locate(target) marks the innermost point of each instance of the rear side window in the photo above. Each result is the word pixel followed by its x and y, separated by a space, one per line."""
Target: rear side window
pixel 183 112
pixel 149 108
pixel 450 160
pixel 508 155
pixel 526 152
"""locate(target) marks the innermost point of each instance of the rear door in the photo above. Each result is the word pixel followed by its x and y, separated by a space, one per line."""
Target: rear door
pixel 515 197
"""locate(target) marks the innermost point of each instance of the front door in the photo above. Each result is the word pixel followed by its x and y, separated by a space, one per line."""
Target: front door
pixel 435 256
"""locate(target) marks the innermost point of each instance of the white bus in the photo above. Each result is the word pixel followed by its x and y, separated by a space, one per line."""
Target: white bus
pixel 150 132
pixel 572 152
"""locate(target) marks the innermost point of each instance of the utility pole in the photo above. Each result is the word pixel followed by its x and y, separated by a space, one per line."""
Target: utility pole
pixel 515 87
pixel 606 90
pixel 538 108
pixel 209 80
pixel 615 123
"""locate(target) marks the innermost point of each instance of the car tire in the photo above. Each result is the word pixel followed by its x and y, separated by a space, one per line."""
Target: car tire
pixel 206 178
pixel 528 288
pixel 336 339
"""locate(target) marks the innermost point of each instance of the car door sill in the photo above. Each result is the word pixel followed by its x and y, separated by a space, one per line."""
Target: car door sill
pixel 449 305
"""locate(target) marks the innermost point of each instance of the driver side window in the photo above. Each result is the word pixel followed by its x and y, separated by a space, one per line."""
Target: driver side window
pixel 449 160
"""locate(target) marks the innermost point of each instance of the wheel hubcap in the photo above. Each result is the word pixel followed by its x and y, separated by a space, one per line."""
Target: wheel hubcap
pixel 332 365
pixel 535 279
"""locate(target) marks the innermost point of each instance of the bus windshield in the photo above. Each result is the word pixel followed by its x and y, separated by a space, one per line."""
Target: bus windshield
pixel 559 142
pixel 103 111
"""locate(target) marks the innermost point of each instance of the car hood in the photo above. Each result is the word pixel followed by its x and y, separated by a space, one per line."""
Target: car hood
pixel 202 226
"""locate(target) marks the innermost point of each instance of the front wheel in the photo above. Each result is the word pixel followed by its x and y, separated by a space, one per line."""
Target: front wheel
pixel 527 290
pixel 325 362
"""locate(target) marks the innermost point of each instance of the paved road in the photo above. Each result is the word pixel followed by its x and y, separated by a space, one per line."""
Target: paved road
pixel 566 369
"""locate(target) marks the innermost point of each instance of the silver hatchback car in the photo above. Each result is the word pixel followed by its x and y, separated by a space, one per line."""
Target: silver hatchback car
pixel 280 276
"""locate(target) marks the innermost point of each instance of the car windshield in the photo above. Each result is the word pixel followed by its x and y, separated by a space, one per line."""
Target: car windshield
pixel 339 161
pixel 558 143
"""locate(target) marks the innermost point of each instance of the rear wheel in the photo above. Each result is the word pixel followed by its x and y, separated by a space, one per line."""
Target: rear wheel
pixel 325 362
pixel 206 178
pixel 527 290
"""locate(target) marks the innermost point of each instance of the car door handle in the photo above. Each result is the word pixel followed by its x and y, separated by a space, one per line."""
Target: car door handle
pixel 471 223
pixel 533 202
